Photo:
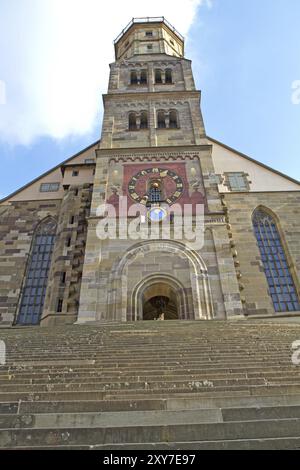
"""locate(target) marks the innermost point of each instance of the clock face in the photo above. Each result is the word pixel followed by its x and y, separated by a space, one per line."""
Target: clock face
pixel 157 214
pixel 171 183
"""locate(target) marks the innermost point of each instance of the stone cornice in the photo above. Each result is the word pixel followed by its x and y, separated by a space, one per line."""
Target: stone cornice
pixel 153 95
pixel 142 152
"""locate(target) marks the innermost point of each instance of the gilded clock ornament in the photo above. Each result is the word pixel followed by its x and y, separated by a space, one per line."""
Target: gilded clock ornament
pixel 141 184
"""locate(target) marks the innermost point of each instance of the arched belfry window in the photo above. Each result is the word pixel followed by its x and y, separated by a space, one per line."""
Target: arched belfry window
pixel 158 76
pixel 132 122
pixel 173 119
pixel 36 278
pixel 169 76
pixel 144 120
pixel 143 80
pixel 281 285
pixel 133 77
pixel 161 120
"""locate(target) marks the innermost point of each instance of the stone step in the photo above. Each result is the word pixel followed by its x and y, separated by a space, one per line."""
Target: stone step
pixel 189 384
pixel 152 384
pixel 229 431
pixel 134 348
pixel 157 384
pixel 190 403
pixel 146 418
pixel 260 413
pixel 148 394
pixel 159 351
pixel 109 419
pixel 122 378
pixel 71 372
pixel 212 363
pixel 289 443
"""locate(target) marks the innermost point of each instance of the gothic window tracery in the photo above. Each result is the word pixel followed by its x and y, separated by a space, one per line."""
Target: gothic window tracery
pixel 36 279
pixel 280 281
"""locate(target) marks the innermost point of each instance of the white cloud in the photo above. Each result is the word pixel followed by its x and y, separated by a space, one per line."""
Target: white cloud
pixel 55 56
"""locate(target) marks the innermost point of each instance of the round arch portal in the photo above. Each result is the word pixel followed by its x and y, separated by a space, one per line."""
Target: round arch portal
pixel 192 282
pixel 156 287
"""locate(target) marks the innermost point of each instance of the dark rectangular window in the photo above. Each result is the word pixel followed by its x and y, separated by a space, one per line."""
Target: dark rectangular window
pixel 75 173
pixel 63 277
pixel 237 182
pixel 149 33
pixel 59 305
pixel 49 187
pixel 72 219
pixel 68 241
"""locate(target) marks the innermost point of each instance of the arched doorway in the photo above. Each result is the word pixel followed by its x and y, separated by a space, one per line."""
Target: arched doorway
pixel 189 279
pixel 160 302
pixel 160 294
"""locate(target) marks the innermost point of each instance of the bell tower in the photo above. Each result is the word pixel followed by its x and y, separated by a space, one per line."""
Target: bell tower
pixel 151 99
pixel 154 152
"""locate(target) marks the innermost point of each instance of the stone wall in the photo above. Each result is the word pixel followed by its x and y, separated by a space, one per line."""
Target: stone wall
pixel 17 224
pixel 286 208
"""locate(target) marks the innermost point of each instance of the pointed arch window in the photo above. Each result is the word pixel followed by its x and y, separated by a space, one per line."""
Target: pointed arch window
pixel 281 285
pixel 36 279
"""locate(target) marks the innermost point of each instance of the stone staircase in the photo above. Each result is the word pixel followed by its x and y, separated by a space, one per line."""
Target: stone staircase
pixel 151 385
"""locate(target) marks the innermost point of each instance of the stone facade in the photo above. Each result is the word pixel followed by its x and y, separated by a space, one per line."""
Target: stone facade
pixel 284 207
pixel 153 132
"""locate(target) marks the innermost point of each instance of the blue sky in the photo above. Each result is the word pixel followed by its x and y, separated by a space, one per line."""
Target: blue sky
pixel 246 58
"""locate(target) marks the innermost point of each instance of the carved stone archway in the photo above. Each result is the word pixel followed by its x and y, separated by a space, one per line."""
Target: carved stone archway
pixel 122 294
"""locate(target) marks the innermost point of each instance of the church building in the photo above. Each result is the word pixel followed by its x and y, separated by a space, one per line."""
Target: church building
pixel 56 269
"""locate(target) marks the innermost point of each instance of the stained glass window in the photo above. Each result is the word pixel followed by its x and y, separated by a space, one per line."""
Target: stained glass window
pixel 281 285
pixel 35 285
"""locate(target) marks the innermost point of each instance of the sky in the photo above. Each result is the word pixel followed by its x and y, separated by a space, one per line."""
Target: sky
pixel 54 57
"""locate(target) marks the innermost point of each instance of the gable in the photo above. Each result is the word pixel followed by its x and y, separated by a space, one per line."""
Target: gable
pixel 31 191
pixel 261 177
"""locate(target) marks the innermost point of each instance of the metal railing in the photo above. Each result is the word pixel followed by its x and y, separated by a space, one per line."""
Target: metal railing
pixel 149 19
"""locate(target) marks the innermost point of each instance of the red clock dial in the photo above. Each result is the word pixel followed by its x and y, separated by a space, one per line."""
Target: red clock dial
pixel 170 182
